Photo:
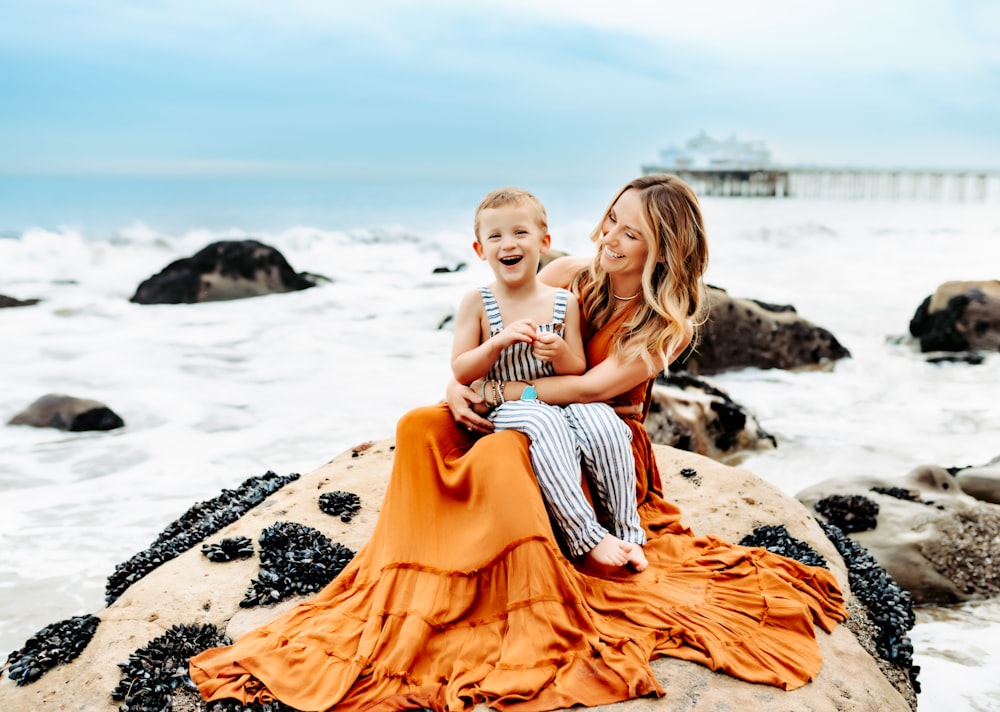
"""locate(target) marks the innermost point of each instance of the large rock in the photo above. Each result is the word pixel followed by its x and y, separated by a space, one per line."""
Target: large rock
pixel 68 413
pixel 230 269
pixel 981 482
pixel 959 316
pixel 173 585
pixel 691 414
pixel 746 333
pixel 936 541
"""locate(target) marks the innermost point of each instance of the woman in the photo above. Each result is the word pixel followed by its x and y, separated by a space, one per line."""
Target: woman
pixel 462 595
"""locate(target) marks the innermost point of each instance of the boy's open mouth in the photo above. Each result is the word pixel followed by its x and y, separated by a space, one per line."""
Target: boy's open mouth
pixel 511 260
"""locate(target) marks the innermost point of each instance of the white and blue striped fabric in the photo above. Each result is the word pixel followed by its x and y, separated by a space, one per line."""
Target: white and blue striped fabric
pixel 563 436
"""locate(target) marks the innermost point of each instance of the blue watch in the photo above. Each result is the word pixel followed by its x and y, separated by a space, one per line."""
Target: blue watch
pixel 529 393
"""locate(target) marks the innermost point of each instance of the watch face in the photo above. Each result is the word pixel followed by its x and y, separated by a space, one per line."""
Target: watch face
pixel 529 393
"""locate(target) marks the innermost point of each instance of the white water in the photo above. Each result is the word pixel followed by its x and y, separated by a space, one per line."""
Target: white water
pixel 215 393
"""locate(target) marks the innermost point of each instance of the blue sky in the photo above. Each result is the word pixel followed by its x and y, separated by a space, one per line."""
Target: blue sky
pixel 465 90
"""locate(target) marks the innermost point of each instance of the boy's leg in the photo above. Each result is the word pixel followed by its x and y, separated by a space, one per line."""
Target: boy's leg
pixel 605 445
pixel 556 461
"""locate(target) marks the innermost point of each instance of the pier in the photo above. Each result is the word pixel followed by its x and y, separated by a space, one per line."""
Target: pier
pixel 731 167
pixel 840 182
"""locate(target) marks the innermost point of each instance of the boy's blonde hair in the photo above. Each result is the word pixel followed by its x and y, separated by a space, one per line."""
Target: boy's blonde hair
pixel 501 197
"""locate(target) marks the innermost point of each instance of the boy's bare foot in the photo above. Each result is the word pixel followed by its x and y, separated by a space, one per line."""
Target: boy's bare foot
pixel 612 551
pixel 637 558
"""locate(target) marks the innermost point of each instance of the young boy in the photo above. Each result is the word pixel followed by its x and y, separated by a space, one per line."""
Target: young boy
pixel 519 329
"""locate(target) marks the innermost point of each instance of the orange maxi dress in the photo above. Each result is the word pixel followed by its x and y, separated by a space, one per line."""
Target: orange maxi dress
pixel 462 596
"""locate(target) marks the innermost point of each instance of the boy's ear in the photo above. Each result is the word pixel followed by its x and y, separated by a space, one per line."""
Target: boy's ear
pixel 478 247
pixel 546 243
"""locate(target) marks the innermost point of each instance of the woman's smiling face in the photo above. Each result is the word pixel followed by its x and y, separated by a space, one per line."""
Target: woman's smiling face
pixel 624 243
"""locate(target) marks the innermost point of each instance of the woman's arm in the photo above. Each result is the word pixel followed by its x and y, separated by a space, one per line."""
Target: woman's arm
pixel 610 378
pixel 561 271
pixel 603 382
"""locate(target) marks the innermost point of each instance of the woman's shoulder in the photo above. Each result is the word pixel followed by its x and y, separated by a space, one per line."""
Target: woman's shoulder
pixel 561 271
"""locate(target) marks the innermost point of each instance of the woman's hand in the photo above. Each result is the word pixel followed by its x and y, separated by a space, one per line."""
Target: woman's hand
pixel 464 402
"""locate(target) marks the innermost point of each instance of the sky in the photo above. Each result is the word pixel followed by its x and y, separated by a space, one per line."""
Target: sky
pixel 453 89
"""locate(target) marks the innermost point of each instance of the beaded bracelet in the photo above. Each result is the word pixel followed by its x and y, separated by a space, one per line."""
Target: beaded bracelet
pixel 501 384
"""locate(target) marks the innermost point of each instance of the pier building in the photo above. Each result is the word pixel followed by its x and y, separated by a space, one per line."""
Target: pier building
pixel 744 168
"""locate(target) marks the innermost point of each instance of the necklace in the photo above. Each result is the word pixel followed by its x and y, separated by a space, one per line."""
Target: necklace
pixel 626 299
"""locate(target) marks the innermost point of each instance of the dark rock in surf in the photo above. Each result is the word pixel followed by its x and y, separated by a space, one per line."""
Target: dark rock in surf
pixel 6 301
pixel 745 333
pixel 959 316
pixel 68 413
pixel 230 269
pixel 691 414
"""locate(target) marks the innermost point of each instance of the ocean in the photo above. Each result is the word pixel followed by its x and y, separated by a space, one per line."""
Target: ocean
pixel 214 393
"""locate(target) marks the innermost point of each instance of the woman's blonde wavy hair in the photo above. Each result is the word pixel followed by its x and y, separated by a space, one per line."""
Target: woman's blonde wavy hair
pixel 672 286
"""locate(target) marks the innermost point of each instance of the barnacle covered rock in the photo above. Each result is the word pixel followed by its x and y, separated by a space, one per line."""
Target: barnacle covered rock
pixel 201 520
pixel 933 539
pixel 155 670
pixel 190 590
pixel 53 645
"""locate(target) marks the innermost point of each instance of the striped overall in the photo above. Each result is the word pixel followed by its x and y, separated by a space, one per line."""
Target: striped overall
pixel 561 437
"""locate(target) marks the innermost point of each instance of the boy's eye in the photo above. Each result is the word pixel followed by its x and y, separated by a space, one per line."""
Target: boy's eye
pixel 522 232
pixel 494 236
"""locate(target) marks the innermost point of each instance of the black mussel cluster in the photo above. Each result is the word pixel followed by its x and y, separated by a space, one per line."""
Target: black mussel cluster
pixel 340 504
pixel 689 472
pixel 228 549
pixel 153 672
pixel 898 493
pixel 201 520
pixel 53 645
pixel 236 706
pixel 777 540
pixel 889 606
pixel 850 513
pixel 294 560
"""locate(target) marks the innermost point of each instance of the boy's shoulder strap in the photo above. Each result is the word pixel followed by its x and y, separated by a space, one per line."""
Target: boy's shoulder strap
pixel 492 309
pixel 559 307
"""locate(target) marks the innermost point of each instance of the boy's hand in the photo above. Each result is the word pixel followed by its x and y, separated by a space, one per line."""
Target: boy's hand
pixel 524 330
pixel 548 345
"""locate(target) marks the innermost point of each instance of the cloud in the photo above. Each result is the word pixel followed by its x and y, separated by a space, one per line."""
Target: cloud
pixel 449 88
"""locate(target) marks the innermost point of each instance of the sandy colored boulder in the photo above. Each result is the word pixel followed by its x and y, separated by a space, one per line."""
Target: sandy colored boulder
pixel 190 589
pixel 935 540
